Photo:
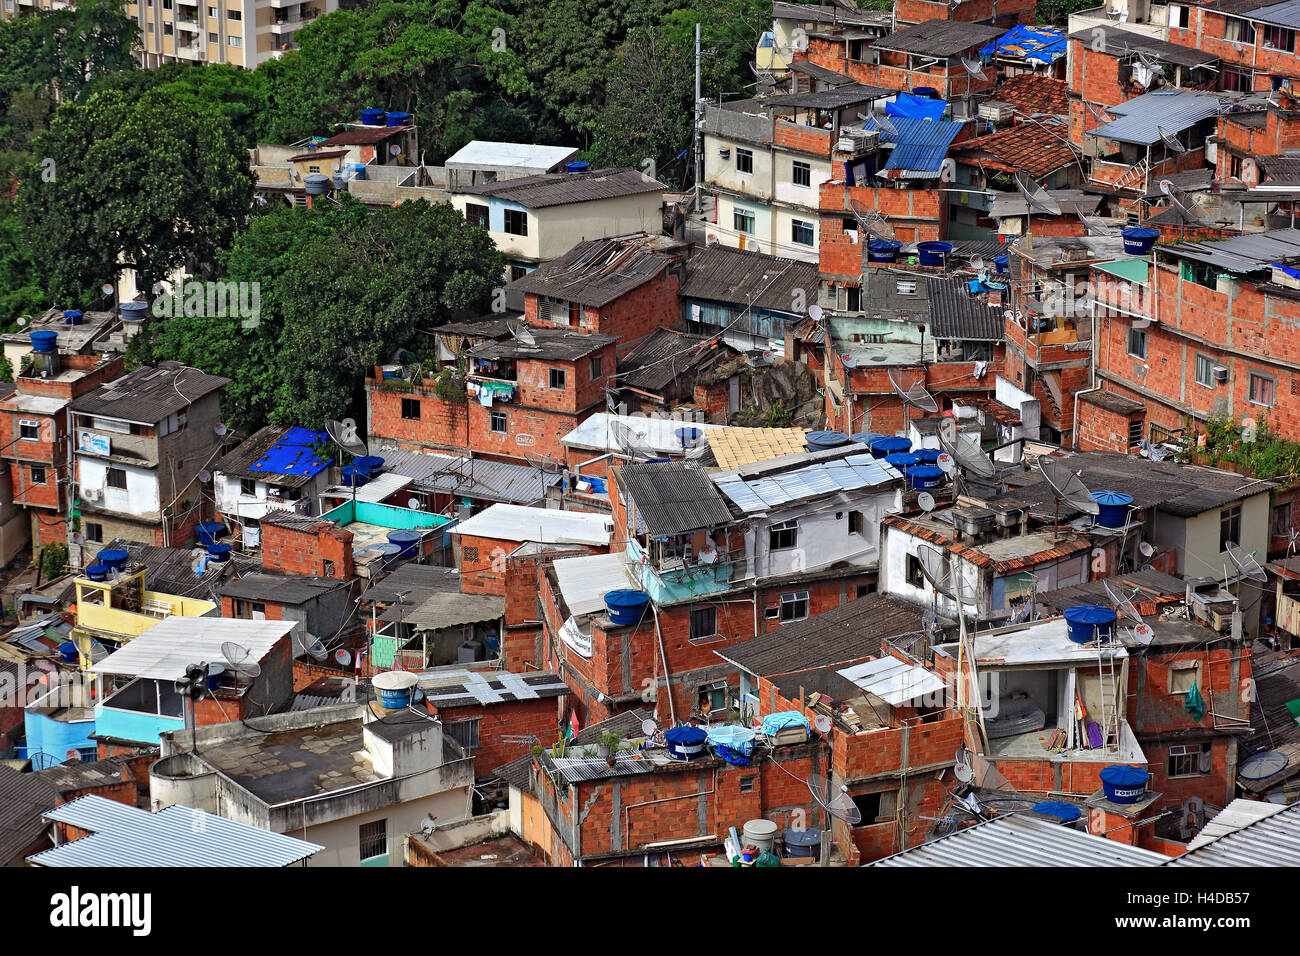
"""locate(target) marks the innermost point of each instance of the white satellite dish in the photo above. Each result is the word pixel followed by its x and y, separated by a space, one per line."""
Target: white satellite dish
pixel 220 428
pixel 962 767
pixel 1246 564
pixel 1067 486
pixel 343 657
pixel 205 476
pixel 822 723
pixel 914 394
pixel 629 442
pixel 1144 634
pixel 413 503
pixel 974 68
pixel 649 727
pixel 977 263
pixel 1036 197
pixel 835 801
pixel 1146 549
pixel 521 333
pixel 946 463
pixel 925 501
pixel 969 457
pixel 815 313
pixel 934 568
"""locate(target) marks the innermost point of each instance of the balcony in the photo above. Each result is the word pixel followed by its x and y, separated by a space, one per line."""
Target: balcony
pixel 671 579
pixel 286 22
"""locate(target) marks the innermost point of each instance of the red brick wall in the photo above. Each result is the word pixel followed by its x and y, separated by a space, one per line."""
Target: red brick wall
pixel 916 215
pixel 305 552
pixel 998 12
pixel 442 424
pixel 1103 430
pixel 538 718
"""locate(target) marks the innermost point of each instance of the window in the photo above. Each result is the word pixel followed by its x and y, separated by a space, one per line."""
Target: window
pixel 213 38
pixel 912 572
pixel 801 173
pixel 1229 526
pixel 313 169
pixel 248 487
pixel 1236 79
pixel 744 220
pixel 117 478
pixel 250 610
pixel 212 12
pixel 905 286
pixel 794 606
pixel 168 29
pixel 1279 522
pixel 557 379
pixel 1263 389
pixel 374 842
pixel 1137 343
pixel 1278 38
pixel 477 215
pixel 876 807
pixel 1204 370
pixel 516 222
pixel 1239 31
pixel 38 475
pixel 1190 760
pixel 1179 16
pixel 855 522
pixel 167 4
pixel 236 41
pixel 29 431
pixel 499 423
pixel 234 15
pixel 744 161
pixel 1135 433
pixel 783 536
pixel 704 623
pixel 853 299
pixel 151 27
pixel 516 271
pixel 1234 167
pixel 713 696
pixel 94 532
pixel 801 232
pixel 747 784
pixel 464 732
pixel 576 313
pixel 595 367
pixel 411 409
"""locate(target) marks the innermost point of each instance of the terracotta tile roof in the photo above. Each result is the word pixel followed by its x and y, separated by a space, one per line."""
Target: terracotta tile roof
pixel 1031 94
pixel 979 558
pixel 1030 147
pixel 733 447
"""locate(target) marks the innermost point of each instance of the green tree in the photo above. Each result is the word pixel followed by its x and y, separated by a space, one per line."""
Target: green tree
pixel 154 183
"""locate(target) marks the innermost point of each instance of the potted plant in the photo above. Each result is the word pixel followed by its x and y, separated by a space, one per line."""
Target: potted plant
pixel 607 746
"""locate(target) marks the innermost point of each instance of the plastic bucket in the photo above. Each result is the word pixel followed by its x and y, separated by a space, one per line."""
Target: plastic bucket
pixel 760 834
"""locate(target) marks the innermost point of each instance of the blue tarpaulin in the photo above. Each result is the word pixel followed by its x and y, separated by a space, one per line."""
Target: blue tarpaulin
pixel 1293 273
pixel 916 107
pixel 1036 44
pixel 773 724
pixel 293 454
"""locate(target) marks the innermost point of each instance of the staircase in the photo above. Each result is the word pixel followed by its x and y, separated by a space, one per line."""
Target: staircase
pixel 1135 178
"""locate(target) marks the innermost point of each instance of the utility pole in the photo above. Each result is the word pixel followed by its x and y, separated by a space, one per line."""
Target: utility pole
pixel 699 118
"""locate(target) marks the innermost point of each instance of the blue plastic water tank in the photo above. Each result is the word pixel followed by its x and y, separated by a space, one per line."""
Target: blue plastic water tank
pixel 1139 239
pixel 399 119
pixel 316 185
pixel 933 253
pixel 1066 812
pixel 1124 784
pixel 219 551
pixel 928 91
pixel 626 605
pixel 372 117
pixel 96 571
pixel 354 476
pixel 215 673
pixel 924 477
pixel 72 316
pixel 134 311
pixel 372 464
pixel 818 441
pixel 864 438
pixel 577 167
pixel 408 541
pixel 1000 262
pixel 689 437
pixel 902 460
pixel 883 250
pixel 685 743
pixel 44 341
pixel 928 456
pixel 889 445
pixel 358 170
pixel 1089 622
pixel 1112 508
pixel 210 532
pixel 114 558
pixel 68 652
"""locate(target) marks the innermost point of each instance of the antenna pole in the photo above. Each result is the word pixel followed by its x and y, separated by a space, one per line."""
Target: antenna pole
pixel 699 110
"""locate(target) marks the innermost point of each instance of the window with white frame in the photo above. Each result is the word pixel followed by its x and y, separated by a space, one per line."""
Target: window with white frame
pixel 783 536
pixel 794 606
pixel 1263 389
pixel 1204 370
pixel 1190 760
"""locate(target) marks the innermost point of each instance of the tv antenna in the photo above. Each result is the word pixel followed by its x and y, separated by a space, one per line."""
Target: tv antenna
pixel 974 67
pixel 521 332
pixel 915 394
pixel 1247 566
pixel 1066 486
pixel 835 801
pixel 241 659
pixel 1142 631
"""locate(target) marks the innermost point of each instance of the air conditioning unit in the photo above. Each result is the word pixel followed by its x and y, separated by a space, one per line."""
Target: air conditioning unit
pixel 1220 373
pixel 858 141
pixel 997 112
pixel 724 152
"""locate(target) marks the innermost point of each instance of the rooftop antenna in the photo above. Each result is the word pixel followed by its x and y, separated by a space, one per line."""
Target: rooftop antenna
pixel 969 459
pixel 241 659
pixel 1036 196
pixel 914 394
pixel 1142 631
pixel 1170 140
pixel 974 68
pixel 521 332
pixel 1292 539
pixel 1066 486
pixel 834 800
pixel 629 442
pixel 1180 201
pixel 1247 566
pixel 313 647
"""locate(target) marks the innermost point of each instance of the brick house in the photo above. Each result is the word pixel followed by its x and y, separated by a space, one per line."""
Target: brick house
pixel 1256 45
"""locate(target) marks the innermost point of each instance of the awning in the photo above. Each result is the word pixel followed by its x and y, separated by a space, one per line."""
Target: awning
pixel 895 682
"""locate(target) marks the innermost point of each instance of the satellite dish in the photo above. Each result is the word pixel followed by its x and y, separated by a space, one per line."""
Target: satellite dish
pixel 24 319
pixel 1263 765
pixel 977 263
pixel 628 441
pixel 1036 196
pixel 345 436
pixel 649 727
pixel 1144 634
pixel 969 457
pixel 220 429
pixel 925 501
pixel 1246 564
pixel 313 647
pixel 343 657
pixel 521 333
pixel 1145 549
pixel 974 68
pixel 1067 486
pixel 835 802
pixel 914 394
pixel 205 476
pixel 1180 201
pixel 1170 140
pixel 77 538
pixel 815 312
pixel 1123 604
pixel 822 723
pixel 107 288
pixel 946 463
pixel 336 166
pixel 962 768
pixel 934 568
pixel 241 660
pixel 1292 538
pixel 413 503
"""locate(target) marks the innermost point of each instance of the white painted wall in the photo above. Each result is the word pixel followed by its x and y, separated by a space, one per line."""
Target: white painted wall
pixel 895 547
pixel 140 496
pixel 823 538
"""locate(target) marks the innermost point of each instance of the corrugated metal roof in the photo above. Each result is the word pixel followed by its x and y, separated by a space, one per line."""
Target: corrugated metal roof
pixel 920 146
pixel 123 835
pixel 673 497
pixel 837 98
pixel 443 690
pixel 563 345
pixel 470 477
pixel 1126 43
pixel 1269 839
pixel 577 769
pixel 546 525
pixel 596 272
pixel 452 609
pixel 1022 839
pixel 166 649
pixel 894 681
pixel 849 474
pixel 658 434
pixel 24 798
pixel 559 189
pixel 735 276
pixel 956 314
pixel 664 356
pixel 1248 253
pixel 280 588
pixel 481 152
pixel 148 395
pixel 585 581
pixel 1285 14
pixel 939 38
pixel 1173 111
